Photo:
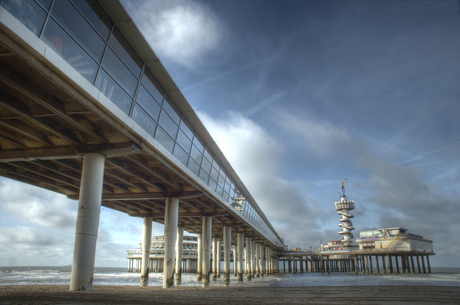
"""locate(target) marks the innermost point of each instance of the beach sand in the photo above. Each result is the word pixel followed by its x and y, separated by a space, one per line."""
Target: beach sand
pixel 48 294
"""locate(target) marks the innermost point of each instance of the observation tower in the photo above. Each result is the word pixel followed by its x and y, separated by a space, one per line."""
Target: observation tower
pixel 344 206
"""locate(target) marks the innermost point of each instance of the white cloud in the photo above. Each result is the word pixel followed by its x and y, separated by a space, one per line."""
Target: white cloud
pixel 180 31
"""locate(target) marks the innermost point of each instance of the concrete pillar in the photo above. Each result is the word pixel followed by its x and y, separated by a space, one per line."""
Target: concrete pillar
pixel 170 236
pixel 219 247
pixel 179 248
pixel 377 263
pixel 370 264
pixel 89 210
pixel 257 259
pixel 383 264
pixel 428 263
pixel 214 258
pixel 261 259
pixel 146 241
pixel 356 264
pixel 235 260
pixel 206 236
pixel 240 251
pixel 227 248
pixel 199 261
pixel 412 263
pixel 389 264
pixel 406 263
pixel 418 264
pixel 248 259
pixel 423 264
pixel 397 263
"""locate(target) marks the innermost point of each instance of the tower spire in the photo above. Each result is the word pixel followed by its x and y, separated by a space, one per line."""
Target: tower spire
pixel 344 206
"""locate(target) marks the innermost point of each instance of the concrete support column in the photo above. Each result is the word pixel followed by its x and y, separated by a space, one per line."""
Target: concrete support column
pixel 179 248
pixel 248 259
pixel 219 244
pixel 199 261
pixel 423 264
pixel 418 264
pixel 397 263
pixel 227 248
pixel 383 264
pixel 377 263
pixel 206 236
pixel 257 259
pixel 389 264
pixel 356 264
pixel 370 264
pixel 406 264
pixel 428 263
pixel 146 241
pixel 170 236
pixel 89 211
pixel 214 258
pixel 240 250
pixel 235 260
pixel 412 263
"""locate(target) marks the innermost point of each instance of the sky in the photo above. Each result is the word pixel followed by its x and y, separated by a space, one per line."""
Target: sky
pixel 299 95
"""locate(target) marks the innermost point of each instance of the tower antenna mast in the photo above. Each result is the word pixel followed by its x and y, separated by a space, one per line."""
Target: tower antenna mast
pixel 344 186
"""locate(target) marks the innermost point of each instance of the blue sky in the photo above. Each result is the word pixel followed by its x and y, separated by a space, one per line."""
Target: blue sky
pixel 299 95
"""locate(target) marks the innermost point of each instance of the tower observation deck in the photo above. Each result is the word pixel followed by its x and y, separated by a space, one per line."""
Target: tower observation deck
pixel 344 206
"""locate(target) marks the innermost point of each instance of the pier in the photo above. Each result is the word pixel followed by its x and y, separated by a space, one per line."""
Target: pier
pixel 89 111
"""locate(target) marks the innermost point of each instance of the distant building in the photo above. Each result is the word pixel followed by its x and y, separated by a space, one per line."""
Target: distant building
pixel 396 238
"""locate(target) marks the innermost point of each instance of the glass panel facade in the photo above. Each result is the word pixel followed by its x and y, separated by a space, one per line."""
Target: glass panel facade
pixel 153 86
pixel 144 120
pixel 69 50
pixel 148 103
pixel 113 91
pixel 74 23
pixel 95 15
pixel 127 54
pixel 115 67
pixel 83 35
pixel 27 12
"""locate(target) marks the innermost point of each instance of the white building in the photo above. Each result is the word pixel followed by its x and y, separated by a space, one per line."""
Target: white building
pixel 395 238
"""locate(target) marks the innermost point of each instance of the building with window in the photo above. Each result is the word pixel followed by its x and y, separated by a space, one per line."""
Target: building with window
pixel 396 238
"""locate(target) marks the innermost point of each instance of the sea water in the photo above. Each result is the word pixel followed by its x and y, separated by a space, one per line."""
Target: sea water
pixel 119 276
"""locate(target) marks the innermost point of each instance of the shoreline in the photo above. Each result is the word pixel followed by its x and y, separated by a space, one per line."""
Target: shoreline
pixel 52 294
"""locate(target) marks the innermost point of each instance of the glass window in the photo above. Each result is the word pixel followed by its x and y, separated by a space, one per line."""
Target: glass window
pixel 221 181
pixel 194 167
pixel 148 103
pixel 124 50
pixel 55 37
pixel 113 65
pixel 153 86
pixel 180 154
pixel 172 109
pixel 208 154
pixel 206 165
pixel 184 141
pixel 95 15
pixel 164 139
pixel 216 165
pixel 220 191
pixel 212 184
pixel 113 91
pixel 204 176
pixel 186 128
pixel 196 154
pixel 27 12
pixel 199 143
pixel 214 174
pixel 168 125
pixel 144 120
pixel 45 3
pixel 78 28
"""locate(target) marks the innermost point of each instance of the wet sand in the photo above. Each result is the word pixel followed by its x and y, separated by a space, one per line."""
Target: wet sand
pixel 227 295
